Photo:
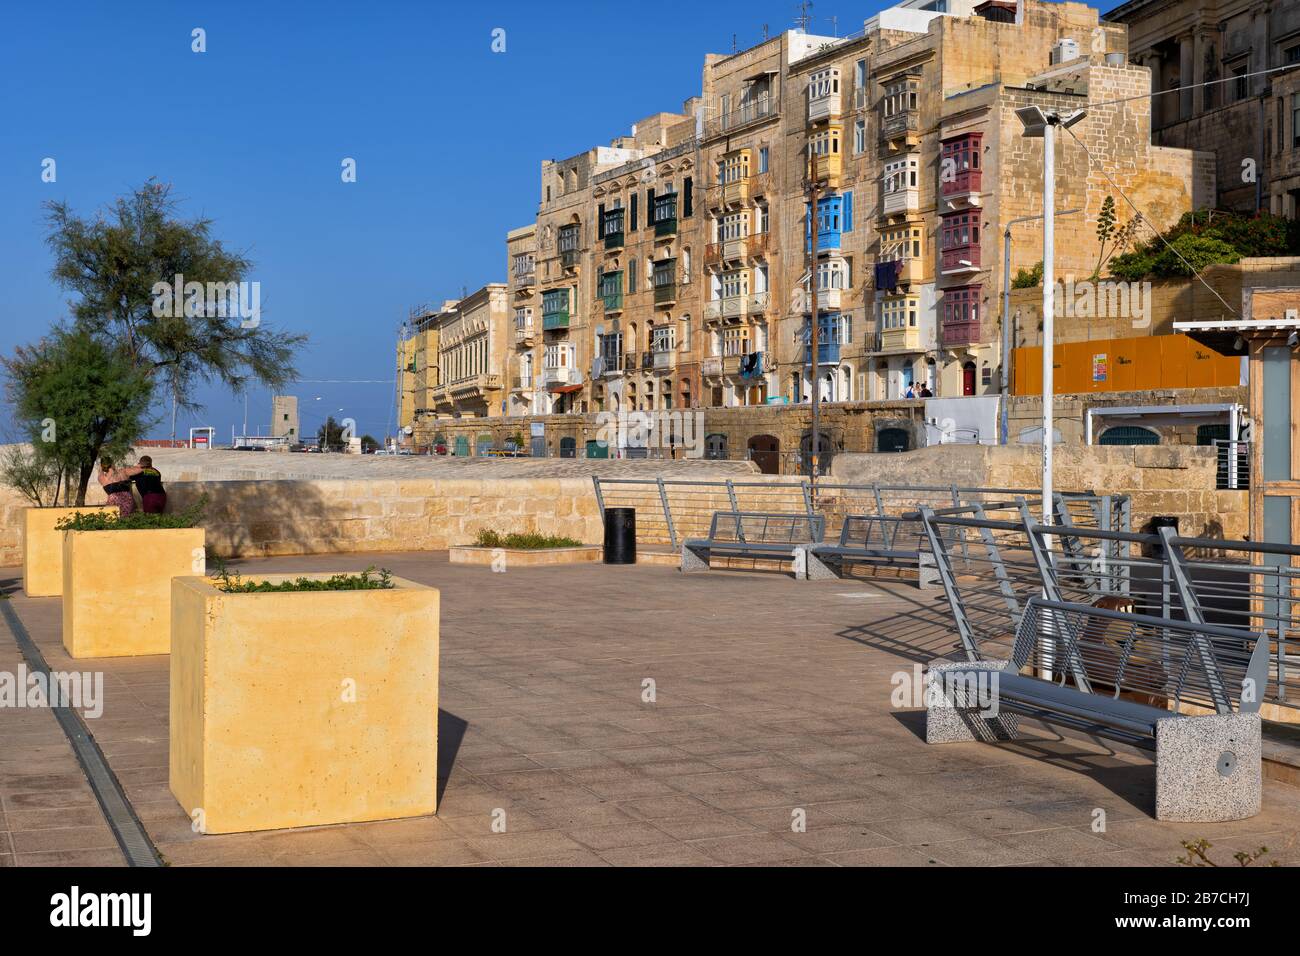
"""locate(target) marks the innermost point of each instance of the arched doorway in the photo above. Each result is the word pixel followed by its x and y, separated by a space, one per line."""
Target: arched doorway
pixel 462 446
pixel 1128 435
pixel 893 439
pixel 968 378
pixel 715 447
pixel 568 448
pixel 765 452
pixel 825 452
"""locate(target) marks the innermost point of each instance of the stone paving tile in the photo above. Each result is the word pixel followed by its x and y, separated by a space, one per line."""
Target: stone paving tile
pixel 754 718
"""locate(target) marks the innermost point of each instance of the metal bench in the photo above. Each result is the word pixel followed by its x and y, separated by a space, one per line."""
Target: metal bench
pixel 753 534
pixel 874 539
pixel 1190 691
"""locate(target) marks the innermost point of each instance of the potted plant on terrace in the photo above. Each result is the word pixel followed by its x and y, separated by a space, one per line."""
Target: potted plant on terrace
pixel 117 578
pixel 301 700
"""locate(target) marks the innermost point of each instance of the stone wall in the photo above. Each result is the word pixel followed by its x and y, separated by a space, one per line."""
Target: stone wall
pixel 1161 479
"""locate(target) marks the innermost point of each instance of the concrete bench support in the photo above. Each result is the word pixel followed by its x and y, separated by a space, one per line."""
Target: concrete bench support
pixel 961 701
pixel 694 559
pixel 1208 768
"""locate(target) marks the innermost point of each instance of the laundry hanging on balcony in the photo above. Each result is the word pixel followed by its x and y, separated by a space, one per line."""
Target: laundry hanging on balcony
pixel 751 364
pixel 887 274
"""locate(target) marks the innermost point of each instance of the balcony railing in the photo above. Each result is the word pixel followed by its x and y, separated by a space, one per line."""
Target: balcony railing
pixel 961 259
pixel 759 108
pixel 904 125
pixel 828 353
pixel 900 202
pixel 559 375
pixel 476 385
pixel 823 107
pixel 907 338
pixel 827 168
pixel 964 332
pixel 526 280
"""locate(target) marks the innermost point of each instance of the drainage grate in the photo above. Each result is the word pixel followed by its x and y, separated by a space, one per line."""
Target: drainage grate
pixel 126 826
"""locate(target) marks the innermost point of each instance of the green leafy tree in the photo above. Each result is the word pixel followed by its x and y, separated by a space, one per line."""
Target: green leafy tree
pixel 330 435
pixel 369 444
pixel 114 264
pixel 77 397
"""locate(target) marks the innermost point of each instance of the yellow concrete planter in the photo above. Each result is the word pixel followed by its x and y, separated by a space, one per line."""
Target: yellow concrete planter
pixel 303 708
pixel 43 548
pixel 523 557
pixel 117 588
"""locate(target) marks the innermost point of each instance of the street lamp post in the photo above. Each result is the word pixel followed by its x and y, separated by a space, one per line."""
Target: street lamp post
pixel 1006 313
pixel 1040 123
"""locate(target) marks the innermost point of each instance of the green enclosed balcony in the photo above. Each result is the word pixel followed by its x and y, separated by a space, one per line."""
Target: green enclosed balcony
pixel 611 291
pixel 555 309
pixel 611 228
pixel 666 215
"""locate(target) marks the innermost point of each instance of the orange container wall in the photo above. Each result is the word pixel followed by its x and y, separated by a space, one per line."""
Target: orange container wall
pixel 1130 364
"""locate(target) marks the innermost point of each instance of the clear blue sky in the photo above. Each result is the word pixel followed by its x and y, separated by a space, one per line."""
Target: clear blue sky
pixel 447 135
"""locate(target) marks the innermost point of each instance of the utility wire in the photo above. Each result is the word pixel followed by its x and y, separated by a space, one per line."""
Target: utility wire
pixel 1191 86
pixel 1143 219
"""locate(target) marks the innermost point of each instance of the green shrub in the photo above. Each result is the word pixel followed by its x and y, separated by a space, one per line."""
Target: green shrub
pixel 367 580
pixel 1028 278
pixel 136 521
pixel 488 538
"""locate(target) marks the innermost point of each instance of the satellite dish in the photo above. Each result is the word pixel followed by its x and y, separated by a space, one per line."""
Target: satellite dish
pixel 408 429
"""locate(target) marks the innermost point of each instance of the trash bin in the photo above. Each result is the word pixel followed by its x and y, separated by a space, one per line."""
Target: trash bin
pixel 1158 522
pixel 620 536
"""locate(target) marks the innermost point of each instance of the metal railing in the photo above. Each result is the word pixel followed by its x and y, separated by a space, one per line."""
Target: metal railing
pixel 1234 464
pixel 669 510
pixel 991 566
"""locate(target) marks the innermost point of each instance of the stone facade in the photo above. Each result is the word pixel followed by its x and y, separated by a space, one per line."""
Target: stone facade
pixel 1246 123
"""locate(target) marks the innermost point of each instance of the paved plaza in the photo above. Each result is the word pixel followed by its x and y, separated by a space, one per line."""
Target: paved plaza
pixel 771 704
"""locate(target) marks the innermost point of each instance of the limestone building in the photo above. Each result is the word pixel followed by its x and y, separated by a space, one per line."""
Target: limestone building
pixel 1208 61
pixel 284 417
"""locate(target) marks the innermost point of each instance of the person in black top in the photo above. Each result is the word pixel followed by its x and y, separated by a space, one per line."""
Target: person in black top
pixel 148 481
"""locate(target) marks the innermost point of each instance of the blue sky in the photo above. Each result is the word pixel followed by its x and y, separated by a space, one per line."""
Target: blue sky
pixel 447 136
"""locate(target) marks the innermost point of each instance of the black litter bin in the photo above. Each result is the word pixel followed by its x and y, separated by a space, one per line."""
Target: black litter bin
pixel 620 536
pixel 1158 522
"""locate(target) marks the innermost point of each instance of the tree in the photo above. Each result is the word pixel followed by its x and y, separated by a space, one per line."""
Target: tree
pixel 369 444
pixel 118 264
pixel 330 435
pixel 77 397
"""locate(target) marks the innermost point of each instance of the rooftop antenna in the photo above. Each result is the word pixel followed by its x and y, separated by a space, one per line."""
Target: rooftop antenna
pixel 764 31
pixel 835 26
pixel 804 20
pixel 733 43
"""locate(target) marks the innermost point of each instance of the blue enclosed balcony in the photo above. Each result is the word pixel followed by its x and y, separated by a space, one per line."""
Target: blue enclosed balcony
pixel 834 218
pixel 830 331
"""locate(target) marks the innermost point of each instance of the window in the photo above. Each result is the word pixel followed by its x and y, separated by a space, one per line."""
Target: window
pixel 523 319
pixel 900 97
pixel 825 142
pixel 860 136
pixel 898 313
pixel 663 339
pixel 762 159
pixel 734 226
pixel 761 220
pixel 735 284
pixel 901 175
pixel 1241 83
pixel 734 168
pixel 961 308
pixel 961 230
pixel 665 272
pixel 833 274
pixel 735 341
pixel 900 244
pixel 860 74
pixel 568 238
pixel 823 83
pixel 631 275
pixel 525 263
pixel 1295 119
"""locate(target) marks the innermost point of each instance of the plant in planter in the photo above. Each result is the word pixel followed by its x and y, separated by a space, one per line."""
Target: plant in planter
pixel 303 700
pixel 117 578
pixel 522 548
